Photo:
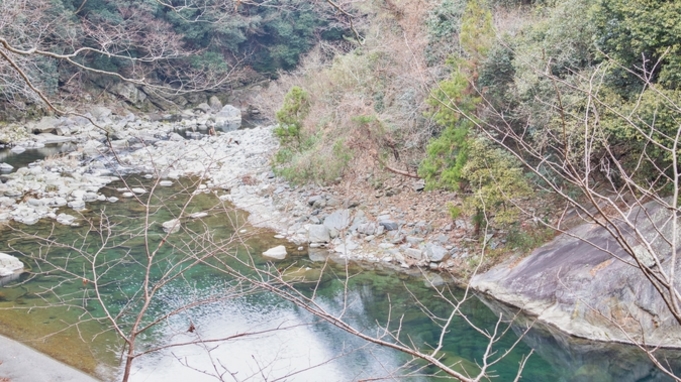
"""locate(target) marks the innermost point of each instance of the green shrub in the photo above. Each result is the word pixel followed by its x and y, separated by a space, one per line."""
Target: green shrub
pixel 290 117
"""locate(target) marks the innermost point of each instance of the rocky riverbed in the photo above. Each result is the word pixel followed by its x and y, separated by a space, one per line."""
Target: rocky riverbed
pixel 233 164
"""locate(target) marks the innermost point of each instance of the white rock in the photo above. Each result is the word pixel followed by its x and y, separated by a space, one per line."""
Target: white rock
pixel 18 149
pixel 9 264
pixel 139 190
pixel 112 199
pixel 4 167
pixel 278 253
pixel 29 219
pixel 127 194
pixel 90 197
pixel 165 183
pixel 66 219
pixel 77 204
pixel 171 226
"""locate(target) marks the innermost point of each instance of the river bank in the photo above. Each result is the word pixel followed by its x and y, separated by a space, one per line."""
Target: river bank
pixel 20 363
pixel 381 225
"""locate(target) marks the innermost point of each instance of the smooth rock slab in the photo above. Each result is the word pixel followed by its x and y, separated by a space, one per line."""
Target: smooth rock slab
pixel 9 264
pixel 278 253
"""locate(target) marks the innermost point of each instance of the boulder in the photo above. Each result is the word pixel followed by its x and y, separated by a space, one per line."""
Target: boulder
pixel 100 112
pixel 49 138
pixel 203 107
pixel 90 197
pixel 436 253
pixel 574 285
pixel 5 167
pixel 414 253
pixel 215 103
pixel 368 229
pixel 228 118
pixel 171 226
pixel 338 220
pixel 318 233
pixel 388 225
pixel 66 219
pixel 28 219
pixel 9 265
pixel 128 92
pixel 278 252
pixel 45 125
pixel 77 204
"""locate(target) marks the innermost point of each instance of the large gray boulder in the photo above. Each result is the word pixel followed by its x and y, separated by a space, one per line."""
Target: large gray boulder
pixel 228 118
pixel 586 291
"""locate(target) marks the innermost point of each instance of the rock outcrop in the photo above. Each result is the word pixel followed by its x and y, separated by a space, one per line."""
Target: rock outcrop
pixel 586 291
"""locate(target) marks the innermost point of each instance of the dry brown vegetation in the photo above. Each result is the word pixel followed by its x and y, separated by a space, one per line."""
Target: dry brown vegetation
pixel 367 104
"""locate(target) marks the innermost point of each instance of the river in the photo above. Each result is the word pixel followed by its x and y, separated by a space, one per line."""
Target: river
pixel 55 310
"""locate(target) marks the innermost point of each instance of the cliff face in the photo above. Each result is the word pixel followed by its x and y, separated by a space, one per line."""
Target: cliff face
pixel 587 292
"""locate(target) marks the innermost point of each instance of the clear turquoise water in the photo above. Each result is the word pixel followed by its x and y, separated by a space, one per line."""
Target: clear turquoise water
pixel 56 312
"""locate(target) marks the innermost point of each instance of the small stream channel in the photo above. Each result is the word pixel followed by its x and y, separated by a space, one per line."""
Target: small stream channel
pixel 57 314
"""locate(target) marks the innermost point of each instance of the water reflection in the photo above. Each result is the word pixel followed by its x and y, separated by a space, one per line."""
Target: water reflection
pixel 581 360
pixel 33 154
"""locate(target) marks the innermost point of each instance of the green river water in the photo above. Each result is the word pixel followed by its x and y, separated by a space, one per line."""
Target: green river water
pixel 55 311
